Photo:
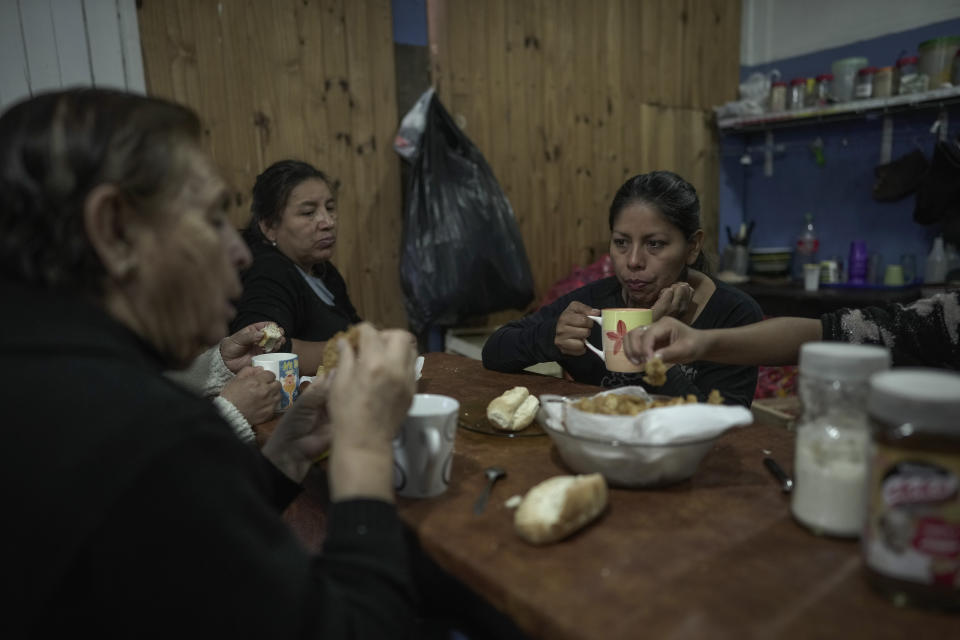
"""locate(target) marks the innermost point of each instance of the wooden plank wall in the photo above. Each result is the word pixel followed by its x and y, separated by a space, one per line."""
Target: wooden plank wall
pixel 306 79
pixel 52 44
pixel 568 98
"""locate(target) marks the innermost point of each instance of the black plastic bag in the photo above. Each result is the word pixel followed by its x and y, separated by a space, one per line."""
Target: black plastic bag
pixel 462 254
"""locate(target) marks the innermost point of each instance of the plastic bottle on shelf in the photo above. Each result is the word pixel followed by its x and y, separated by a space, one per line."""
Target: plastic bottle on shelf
pixel 808 245
pixel 936 270
pixel 952 258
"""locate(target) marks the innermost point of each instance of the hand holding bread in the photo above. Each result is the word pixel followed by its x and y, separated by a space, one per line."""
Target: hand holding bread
pixel 513 410
pixel 237 350
pixel 560 506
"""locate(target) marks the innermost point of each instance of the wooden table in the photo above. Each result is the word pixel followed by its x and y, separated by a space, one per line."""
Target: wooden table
pixel 716 556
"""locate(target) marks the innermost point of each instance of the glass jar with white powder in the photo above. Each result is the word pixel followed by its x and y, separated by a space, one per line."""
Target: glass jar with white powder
pixel 833 436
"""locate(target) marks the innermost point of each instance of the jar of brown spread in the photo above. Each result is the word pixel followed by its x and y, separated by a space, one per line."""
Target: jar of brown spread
pixel 911 541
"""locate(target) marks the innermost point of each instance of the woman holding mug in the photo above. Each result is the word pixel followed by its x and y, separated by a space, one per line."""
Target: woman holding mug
pixel 655 247
pixel 130 507
pixel 292 234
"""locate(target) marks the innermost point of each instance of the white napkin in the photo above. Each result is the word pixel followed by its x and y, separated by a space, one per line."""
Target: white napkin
pixel 681 423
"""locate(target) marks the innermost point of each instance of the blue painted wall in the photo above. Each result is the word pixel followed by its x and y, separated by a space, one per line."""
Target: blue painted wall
pixel 838 194
pixel 410 22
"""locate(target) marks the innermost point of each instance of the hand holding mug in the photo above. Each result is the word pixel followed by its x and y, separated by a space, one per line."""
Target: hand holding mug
pixel 573 329
pixel 255 393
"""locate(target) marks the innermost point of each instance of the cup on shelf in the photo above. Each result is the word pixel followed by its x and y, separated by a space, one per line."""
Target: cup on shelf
pixel 811 277
pixel 893 276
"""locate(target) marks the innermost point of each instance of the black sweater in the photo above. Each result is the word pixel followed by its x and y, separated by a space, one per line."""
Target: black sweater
pixel 130 509
pixel 273 289
pixel 529 340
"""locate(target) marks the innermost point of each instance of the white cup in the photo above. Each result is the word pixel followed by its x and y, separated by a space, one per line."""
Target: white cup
pixel 423 450
pixel 286 367
pixel 811 277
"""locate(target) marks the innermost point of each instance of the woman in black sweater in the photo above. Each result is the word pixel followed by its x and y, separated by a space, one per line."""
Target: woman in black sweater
pixel 655 246
pixel 292 234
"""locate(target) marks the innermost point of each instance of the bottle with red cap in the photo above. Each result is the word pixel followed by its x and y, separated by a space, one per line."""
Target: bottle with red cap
pixel 798 87
pixel 863 87
pixel 824 90
pixel 906 75
pixel 778 96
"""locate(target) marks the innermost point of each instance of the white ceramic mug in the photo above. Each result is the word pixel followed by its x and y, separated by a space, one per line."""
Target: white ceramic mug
pixel 286 367
pixel 615 324
pixel 423 450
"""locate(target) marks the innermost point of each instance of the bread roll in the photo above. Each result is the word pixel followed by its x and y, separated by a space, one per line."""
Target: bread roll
pixel 330 353
pixel 513 410
pixel 272 338
pixel 559 506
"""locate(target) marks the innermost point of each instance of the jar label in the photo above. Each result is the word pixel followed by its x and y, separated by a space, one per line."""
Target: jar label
pixel 913 523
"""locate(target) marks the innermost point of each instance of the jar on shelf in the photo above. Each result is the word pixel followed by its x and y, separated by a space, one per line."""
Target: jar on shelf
pixel 911 541
pixel 810 92
pixel 907 72
pixel 824 90
pixel 863 86
pixel 833 436
pixel 795 98
pixel 778 96
pixel 883 82
pixel 936 58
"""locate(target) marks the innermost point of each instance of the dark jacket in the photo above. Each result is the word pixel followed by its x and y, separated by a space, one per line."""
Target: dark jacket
pixel 130 509
pixel 925 333
pixel 273 289
pixel 529 340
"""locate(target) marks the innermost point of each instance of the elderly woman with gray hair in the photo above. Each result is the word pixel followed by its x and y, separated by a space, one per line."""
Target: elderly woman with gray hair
pixel 130 509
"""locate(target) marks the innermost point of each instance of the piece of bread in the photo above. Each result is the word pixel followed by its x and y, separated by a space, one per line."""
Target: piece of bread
pixel 559 506
pixel 513 410
pixel 330 352
pixel 655 372
pixel 272 338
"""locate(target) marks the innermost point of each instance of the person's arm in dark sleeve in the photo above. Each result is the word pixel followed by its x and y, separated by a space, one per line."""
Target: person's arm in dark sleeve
pixel 528 341
pixel 923 333
pixel 269 293
pixel 197 539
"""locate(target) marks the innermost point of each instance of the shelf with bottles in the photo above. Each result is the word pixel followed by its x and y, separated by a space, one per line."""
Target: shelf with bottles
pixel 934 99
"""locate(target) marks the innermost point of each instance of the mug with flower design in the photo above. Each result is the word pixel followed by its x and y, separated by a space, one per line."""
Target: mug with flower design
pixel 615 323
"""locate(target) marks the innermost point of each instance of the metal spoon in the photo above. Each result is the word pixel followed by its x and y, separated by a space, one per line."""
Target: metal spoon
pixel 493 474
pixel 786 482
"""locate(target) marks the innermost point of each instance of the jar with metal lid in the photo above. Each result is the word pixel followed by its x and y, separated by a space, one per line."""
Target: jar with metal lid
pixel 798 90
pixel 863 86
pixel 824 90
pixel 883 82
pixel 908 79
pixel 778 96
pixel 833 437
pixel 911 542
